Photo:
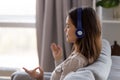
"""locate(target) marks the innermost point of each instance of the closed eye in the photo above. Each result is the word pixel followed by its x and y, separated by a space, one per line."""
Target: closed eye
pixel 67 25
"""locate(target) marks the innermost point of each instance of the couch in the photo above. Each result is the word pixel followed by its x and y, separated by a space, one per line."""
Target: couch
pixel 97 71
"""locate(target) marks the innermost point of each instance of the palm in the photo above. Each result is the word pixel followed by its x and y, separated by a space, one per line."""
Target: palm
pixel 56 51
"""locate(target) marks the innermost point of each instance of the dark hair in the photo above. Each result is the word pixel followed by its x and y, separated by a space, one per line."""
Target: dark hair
pixel 90 44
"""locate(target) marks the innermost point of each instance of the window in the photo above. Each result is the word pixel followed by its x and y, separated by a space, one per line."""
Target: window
pixel 18 46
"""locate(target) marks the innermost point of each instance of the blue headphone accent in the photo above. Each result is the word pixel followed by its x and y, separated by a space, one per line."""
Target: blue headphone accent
pixel 79 31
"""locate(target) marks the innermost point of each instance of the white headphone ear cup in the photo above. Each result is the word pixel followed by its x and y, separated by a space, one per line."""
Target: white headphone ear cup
pixel 79 33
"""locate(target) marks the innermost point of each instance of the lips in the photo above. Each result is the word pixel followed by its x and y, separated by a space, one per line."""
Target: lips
pixel 66 35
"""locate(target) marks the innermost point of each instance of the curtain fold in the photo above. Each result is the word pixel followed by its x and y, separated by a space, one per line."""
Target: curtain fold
pixel 50 22
pixel 39 24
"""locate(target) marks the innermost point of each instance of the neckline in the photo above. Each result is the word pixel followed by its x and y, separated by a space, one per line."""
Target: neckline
pixel 74 53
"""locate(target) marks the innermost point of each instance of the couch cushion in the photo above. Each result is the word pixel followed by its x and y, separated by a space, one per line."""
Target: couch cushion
pixel 100 69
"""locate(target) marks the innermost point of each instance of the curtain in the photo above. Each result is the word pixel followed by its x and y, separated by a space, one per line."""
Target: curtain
pixel 50 23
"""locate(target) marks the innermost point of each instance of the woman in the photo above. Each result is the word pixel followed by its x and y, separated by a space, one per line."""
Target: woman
pixel 84 31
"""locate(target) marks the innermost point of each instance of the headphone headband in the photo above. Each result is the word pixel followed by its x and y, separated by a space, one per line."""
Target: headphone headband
pixel 79 31
pixel 79 18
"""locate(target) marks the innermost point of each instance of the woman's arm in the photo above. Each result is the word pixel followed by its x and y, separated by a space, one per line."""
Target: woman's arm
pixel 58 62
pixel 57 53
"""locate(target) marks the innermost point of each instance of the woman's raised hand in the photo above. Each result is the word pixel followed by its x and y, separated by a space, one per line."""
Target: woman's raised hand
pixel 33 73
pixel 56 51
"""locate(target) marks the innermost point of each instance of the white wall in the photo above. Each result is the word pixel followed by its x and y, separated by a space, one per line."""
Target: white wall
pixel 110 26
pixel 112 32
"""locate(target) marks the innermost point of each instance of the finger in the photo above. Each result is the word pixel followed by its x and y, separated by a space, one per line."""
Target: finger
pixel 26 70
pixel 53 44
pixel 41 70
pixel 36 68
pixel 53 47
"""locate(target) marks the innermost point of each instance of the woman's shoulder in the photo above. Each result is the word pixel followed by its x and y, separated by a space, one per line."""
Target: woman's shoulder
pixel 80 59
pixel 78 55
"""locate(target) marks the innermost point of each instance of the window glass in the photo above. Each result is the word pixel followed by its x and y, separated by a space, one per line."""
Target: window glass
pixel 18 47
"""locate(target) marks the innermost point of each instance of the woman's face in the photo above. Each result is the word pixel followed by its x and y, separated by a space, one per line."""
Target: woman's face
pixel 70 31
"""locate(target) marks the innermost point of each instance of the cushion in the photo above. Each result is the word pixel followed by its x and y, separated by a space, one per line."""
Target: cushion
pixel 100 69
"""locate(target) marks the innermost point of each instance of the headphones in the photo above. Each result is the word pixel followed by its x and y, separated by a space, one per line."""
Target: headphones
pixel 79 32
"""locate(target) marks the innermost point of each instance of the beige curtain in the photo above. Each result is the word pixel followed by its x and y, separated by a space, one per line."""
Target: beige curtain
pixel 50 23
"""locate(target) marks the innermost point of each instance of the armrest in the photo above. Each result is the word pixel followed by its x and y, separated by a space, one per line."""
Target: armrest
pixel 20 75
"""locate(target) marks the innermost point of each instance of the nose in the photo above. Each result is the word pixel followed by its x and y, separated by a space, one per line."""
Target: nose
pixel 65 29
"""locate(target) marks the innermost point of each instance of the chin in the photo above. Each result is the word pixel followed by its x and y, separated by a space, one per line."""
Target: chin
pixel 69 41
